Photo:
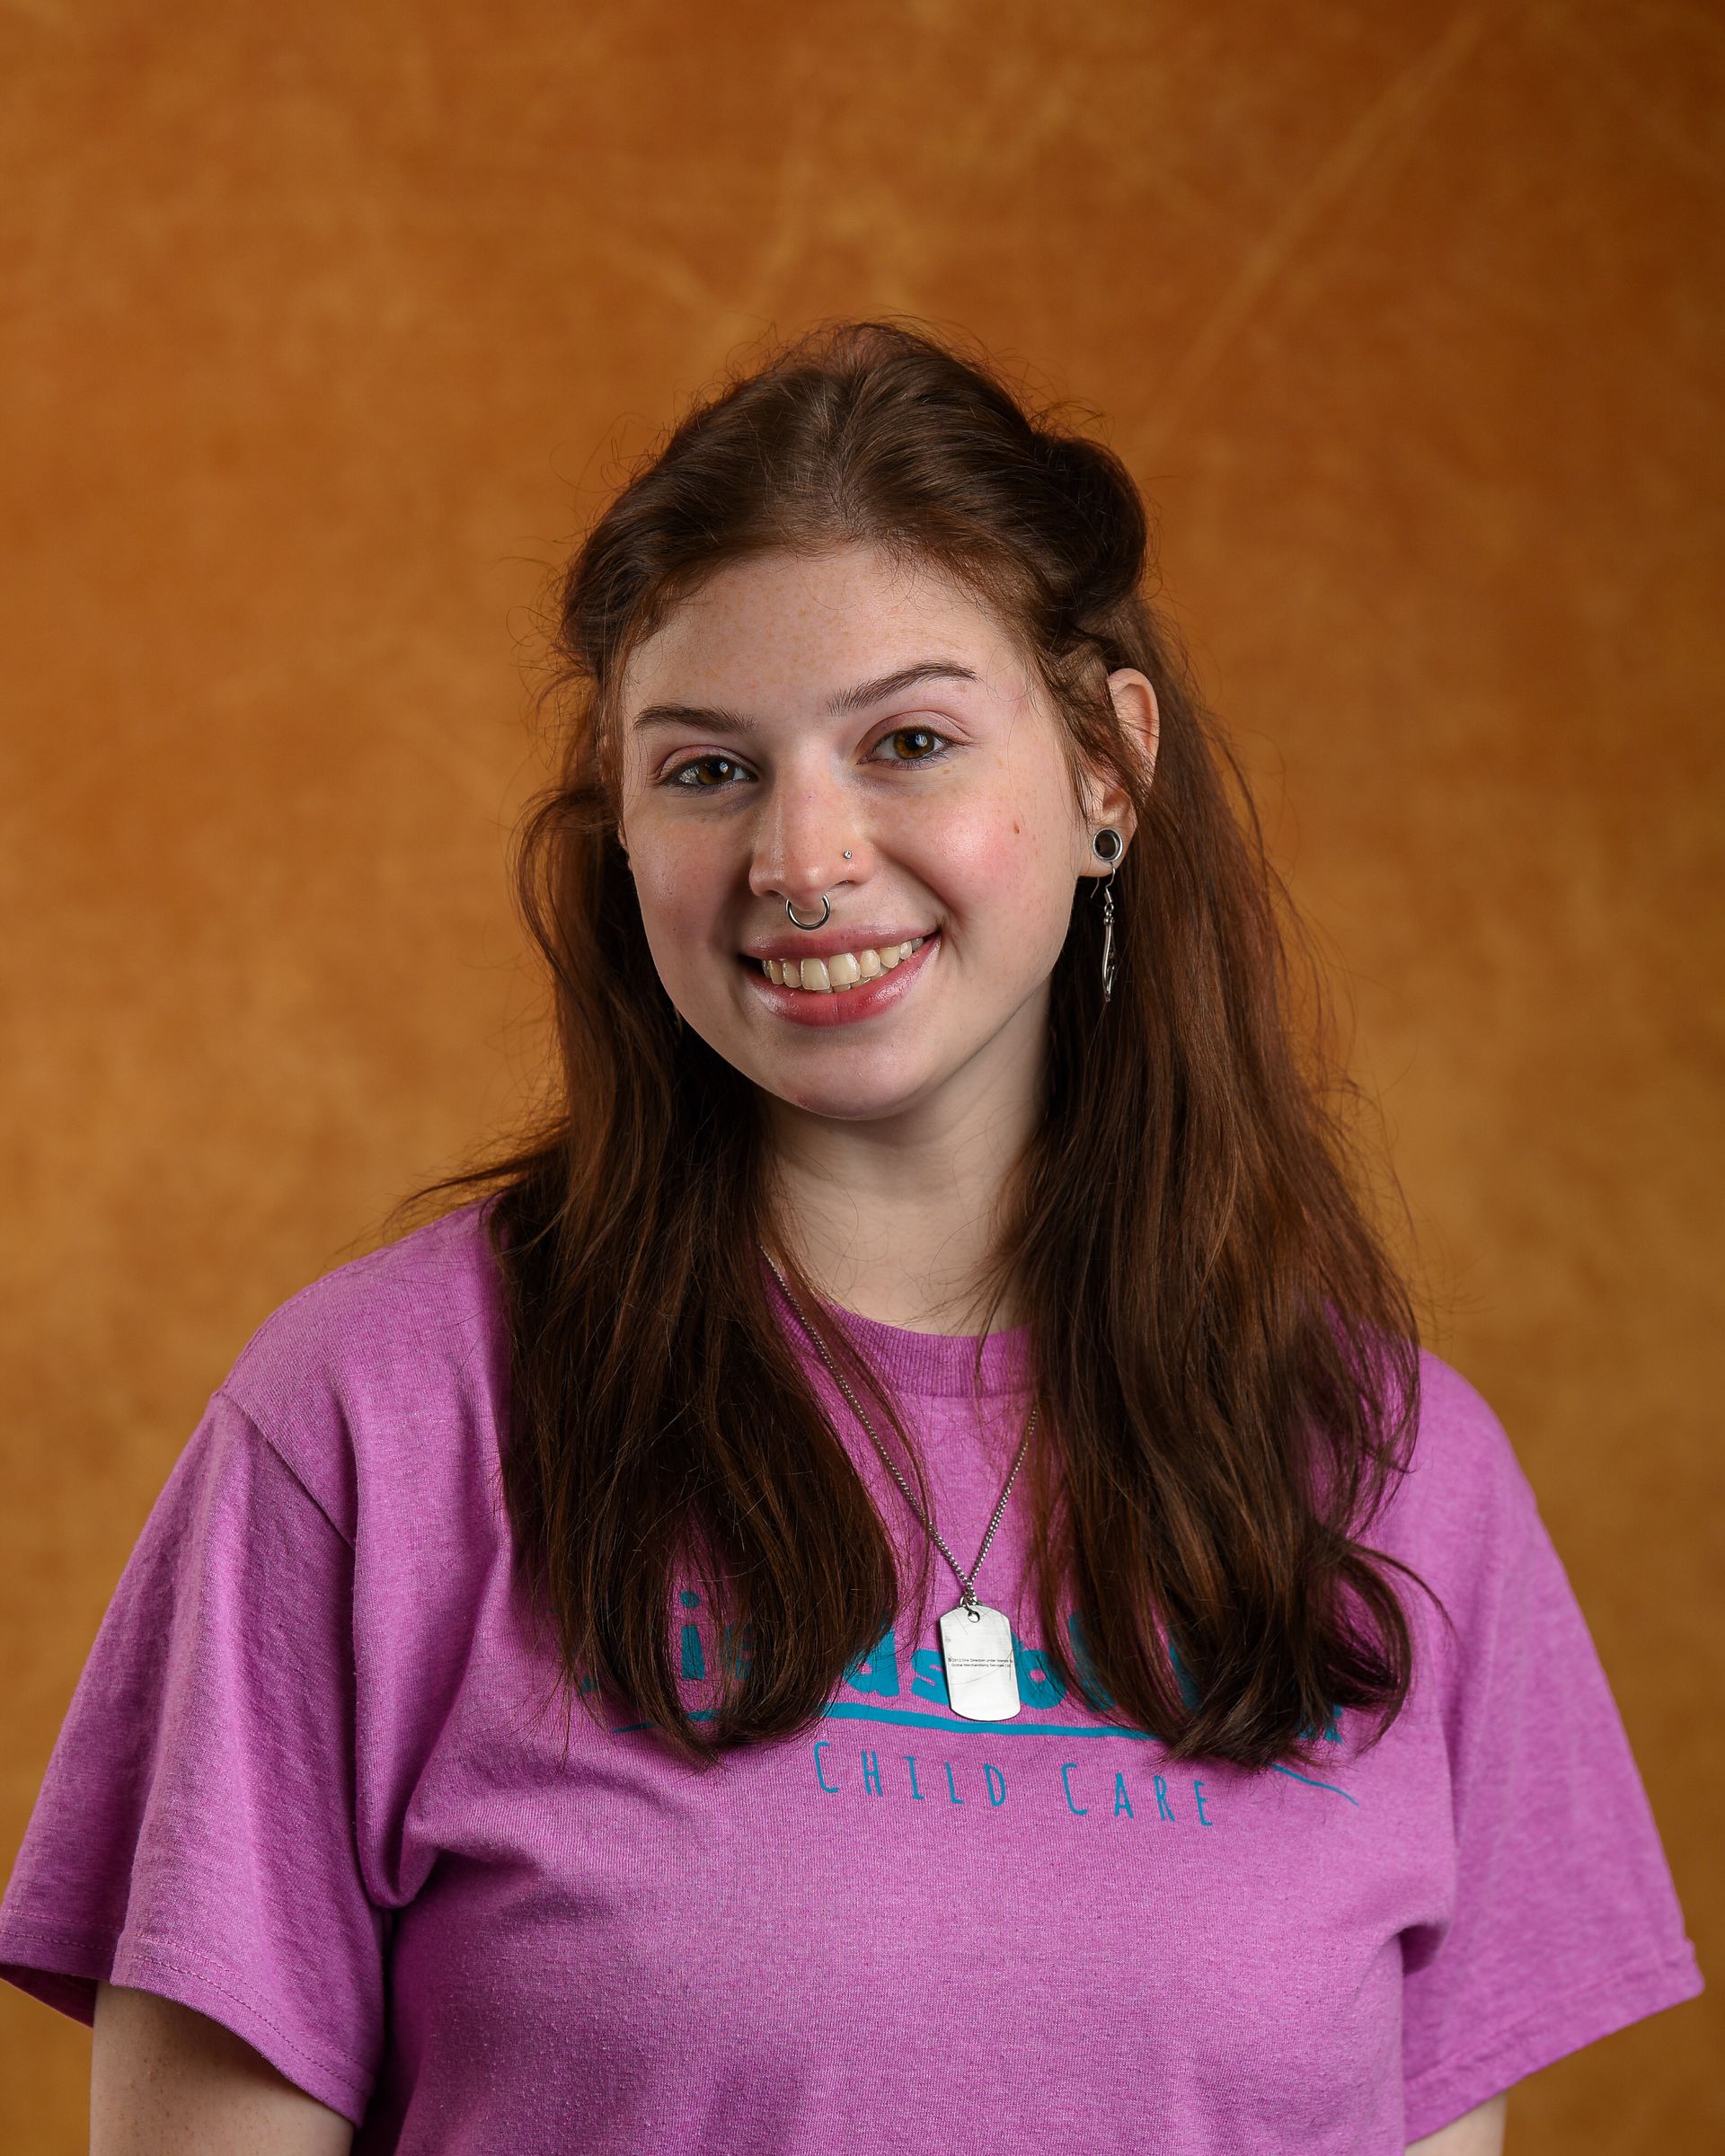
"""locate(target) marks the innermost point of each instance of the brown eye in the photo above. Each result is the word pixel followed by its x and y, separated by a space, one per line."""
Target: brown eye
pixel 680 777
pixel 921 734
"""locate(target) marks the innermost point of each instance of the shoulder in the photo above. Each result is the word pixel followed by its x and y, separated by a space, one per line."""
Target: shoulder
pixel 1464 1500
pixel 374 1353
pixel 1460 1446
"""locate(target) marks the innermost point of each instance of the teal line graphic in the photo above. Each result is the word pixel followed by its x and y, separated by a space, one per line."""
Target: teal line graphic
pixel 846 1710
pixel 1315 1784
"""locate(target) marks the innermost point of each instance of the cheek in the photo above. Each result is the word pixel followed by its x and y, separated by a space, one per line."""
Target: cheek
pixel 677 881
pixel 1002 864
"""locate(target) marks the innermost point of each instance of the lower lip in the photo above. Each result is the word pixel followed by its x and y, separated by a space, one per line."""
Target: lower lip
pixel 844 1006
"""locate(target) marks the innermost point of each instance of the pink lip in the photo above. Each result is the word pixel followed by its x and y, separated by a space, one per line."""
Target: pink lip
pixel 844 1006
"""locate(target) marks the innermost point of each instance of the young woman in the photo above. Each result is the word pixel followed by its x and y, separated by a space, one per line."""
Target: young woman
pixel 900 1578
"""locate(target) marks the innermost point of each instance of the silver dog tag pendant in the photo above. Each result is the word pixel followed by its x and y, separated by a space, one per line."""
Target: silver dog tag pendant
pixel 981 1674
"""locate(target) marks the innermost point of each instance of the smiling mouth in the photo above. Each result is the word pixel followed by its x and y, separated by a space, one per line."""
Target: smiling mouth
pixel 842 971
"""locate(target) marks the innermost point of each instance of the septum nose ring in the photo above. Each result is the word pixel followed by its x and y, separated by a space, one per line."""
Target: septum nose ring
pixel 825 910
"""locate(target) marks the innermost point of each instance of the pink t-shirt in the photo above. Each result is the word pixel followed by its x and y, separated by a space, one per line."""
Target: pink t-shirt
pixel 305 1786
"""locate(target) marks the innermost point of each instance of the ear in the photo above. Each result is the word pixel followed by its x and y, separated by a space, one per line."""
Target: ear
pixel 1135 706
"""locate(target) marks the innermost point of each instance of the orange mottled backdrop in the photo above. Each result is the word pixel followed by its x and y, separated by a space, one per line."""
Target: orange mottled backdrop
pixel 323 328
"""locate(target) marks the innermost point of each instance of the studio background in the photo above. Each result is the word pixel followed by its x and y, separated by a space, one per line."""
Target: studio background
pixel 326 328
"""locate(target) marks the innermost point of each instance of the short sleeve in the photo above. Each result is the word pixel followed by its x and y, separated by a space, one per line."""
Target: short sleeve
pixel 194 1833
pixel 1566 1924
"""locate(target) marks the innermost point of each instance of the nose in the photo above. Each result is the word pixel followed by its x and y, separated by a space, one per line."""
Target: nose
pixel 805 852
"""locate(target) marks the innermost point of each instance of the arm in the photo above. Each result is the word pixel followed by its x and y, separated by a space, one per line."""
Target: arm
pixel 1477 2132
pixel 163 2079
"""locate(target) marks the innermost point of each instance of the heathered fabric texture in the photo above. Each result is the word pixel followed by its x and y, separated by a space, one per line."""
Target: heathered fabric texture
pixel 309 1785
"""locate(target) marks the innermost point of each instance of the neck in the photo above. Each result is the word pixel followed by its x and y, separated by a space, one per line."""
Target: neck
pixel 898 1217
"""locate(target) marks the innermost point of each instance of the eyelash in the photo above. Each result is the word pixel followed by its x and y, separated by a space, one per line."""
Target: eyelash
pixel 675 778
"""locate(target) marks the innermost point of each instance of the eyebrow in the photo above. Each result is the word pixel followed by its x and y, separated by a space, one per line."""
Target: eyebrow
pixel 857 699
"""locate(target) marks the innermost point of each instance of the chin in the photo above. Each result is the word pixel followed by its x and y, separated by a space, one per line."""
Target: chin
pixel 855 1098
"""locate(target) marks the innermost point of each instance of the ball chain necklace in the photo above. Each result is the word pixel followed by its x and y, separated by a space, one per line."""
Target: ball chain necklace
pixel 976 1641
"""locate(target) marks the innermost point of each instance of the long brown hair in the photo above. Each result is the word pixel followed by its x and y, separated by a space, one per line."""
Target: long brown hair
pixel 1227 1357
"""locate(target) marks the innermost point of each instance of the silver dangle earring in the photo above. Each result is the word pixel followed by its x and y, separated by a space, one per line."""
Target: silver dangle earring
pixel 1111 853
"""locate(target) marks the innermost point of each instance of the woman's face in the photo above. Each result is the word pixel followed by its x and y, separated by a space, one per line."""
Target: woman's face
pixel 801 708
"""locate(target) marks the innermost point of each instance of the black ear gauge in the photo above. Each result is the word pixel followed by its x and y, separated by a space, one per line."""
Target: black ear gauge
pixel 1111 853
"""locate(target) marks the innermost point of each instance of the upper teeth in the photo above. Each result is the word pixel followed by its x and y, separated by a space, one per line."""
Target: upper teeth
pixel 843 969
